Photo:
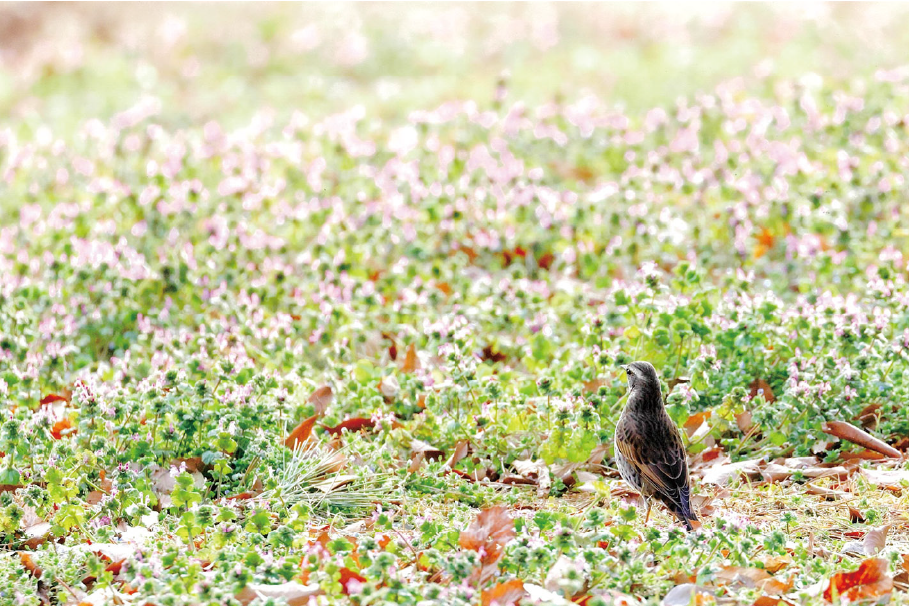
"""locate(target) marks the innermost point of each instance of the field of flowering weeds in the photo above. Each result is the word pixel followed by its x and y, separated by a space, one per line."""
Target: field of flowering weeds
pixel 367 356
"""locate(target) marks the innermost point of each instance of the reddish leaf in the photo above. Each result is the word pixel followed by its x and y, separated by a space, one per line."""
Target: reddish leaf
pixel 847 431
pixel 53 398
pixel 346 576
pixel 545 261
pixel 241 496
pixel 493 355
pixel 492 526
pixel 503 593
pixel 758 385
pixel 766 601
pixel 321 398
pixel 354 424
pixel 869 583
pixel 301 433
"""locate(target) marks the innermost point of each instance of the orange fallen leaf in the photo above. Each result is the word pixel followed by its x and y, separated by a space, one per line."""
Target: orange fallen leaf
pixel 64 426
pixel 301 433
pixel 594 384
pixel 29 563
pixel 503 593
pixel 411 362
pixel 869 583
pixel 346 576
pixel 694 422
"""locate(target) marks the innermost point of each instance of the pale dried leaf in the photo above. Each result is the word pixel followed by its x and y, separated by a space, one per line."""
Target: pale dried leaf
pixel 887 478
pixel 875 540
pixel 292 593
pixel 688 594
pixel 540 596
pixel 723 474
pixel 321 399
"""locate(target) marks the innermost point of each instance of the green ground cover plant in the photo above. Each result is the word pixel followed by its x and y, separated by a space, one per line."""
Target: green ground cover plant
pixel 348 358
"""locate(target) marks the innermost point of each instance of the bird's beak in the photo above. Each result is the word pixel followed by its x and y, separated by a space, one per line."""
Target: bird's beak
pixel 624 367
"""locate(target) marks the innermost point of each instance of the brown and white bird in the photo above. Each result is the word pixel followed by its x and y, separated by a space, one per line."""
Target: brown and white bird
pixel 648 446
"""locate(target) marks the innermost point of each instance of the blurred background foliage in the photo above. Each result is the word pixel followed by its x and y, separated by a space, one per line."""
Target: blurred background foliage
pixel 229 61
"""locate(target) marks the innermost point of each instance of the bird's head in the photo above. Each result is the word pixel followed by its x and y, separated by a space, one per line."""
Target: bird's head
pixel 641 374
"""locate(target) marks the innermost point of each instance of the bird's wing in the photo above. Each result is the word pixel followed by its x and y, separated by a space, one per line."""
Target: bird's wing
pixel 661 459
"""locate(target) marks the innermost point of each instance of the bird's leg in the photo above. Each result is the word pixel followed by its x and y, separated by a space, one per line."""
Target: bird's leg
pixel 649 506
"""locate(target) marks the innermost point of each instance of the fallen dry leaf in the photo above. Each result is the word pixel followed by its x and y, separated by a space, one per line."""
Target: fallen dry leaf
pixel 347 576
pixel 864 454
pixel 875 540
pixel 29 564
pixel 293 593
pixel 492 526
pixel 411 362
pixel 354 424
pixel 825 492
pixel 301 433
pixel 460 452
pixel 688 594
pixel 491 354
pixel 772 564
pixel 889 479
pixel 744 422
pixel 503 593
pixel 321 399
pixel 870 583
pixel 846 431
pixel 557 576
pixel 594 384
pixel 697 424
pixel 62 428
pixel 540 596
pixel 723 474
pixel 869 416
pixel 762 387
pixel 750 577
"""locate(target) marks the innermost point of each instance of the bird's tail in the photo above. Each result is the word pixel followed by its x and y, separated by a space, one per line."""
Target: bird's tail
pixel 681 507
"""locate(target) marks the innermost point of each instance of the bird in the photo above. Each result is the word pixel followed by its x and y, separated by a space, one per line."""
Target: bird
pixel 648 446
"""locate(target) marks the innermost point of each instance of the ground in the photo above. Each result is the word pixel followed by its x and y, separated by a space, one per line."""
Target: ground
pixel 330 307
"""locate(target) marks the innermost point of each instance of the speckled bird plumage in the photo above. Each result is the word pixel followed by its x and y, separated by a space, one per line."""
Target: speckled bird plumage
pixel 648 447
